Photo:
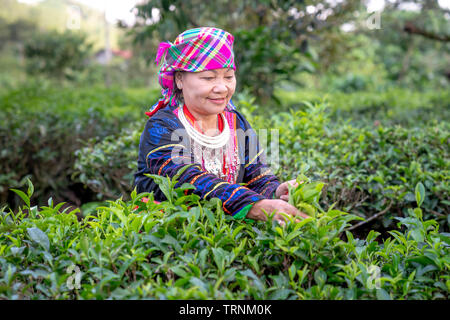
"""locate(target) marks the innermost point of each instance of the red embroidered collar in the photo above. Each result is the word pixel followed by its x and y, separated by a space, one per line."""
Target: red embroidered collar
pixel 194 122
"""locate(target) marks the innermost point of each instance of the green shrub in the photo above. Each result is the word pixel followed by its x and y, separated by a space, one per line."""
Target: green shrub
pixel 188 248
pixel 106 165
pixel 390 107
pixel 42 125
pixel 59 55
pixel 351 83
pixel 369 171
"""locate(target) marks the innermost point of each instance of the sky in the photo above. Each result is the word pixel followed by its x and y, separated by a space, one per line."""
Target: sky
pixel 121 9
pixel 115 9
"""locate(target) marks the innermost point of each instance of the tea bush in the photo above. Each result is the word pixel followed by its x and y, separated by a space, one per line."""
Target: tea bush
pixel 187 248
pixel 389 107
pixel 107 165
pixel 369 170
pixel 42 125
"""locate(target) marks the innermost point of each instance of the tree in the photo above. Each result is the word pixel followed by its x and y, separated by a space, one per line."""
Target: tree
pixel 57 54
pixel 271 36
pixel 15 32
pixel 412 44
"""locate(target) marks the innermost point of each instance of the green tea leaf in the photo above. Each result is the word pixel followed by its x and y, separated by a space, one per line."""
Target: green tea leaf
pixel 320 277
pixel 219 258
pixel 38 236
pixel 125 266
pixel 30 190
pixel 281 294
pixel 417 235
pixel 136 224
pixel 293 235
pixel 119 213
pixel 172 241
pixel 420 193
pixel 17 251
pixel 24 197
pixel 84 244
pixel 179 271
pixel 210 216
pixel 236 232
pixel 195 270
pixel 383 295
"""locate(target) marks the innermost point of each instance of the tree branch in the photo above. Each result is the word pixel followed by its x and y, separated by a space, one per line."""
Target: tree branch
pixel 370 219
pixel 413 29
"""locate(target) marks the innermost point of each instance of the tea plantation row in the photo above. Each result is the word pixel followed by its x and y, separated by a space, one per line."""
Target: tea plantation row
pixel 187 248
pixel 41 127
pixel 369 170
pixel 391 179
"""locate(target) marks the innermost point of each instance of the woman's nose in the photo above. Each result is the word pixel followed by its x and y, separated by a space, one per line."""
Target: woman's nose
pixel 220 87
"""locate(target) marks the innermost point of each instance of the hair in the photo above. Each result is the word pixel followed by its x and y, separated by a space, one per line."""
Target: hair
pixel 178 92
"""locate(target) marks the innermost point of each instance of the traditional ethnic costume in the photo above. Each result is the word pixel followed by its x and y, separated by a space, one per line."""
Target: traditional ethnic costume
pixel 172 139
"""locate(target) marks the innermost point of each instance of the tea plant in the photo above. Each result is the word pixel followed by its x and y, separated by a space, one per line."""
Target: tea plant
pixel 41 127
pixel 187 248
pixel 390 107
pixel 369 171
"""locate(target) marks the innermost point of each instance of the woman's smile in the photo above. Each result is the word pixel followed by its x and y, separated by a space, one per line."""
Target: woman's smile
pixel 218 101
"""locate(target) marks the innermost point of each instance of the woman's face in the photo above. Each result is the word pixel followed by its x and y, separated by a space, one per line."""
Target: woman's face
pixel 207 92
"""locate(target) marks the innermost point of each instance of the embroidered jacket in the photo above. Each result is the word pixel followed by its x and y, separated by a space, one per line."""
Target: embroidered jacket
pixel 161 152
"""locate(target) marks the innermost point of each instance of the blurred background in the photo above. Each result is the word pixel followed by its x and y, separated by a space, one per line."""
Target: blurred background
pixel 76 76
pixel 334 45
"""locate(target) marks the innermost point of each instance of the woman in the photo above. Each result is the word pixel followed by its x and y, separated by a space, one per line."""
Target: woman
pixel 196 123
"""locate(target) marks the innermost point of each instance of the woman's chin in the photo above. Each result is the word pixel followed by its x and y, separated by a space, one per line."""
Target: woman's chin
pixel 217 107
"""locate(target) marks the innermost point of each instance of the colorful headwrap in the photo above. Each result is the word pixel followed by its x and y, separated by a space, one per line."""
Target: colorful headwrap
pixel 194 50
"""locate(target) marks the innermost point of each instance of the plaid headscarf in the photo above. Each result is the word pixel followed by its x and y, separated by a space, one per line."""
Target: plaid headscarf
pixel 194 50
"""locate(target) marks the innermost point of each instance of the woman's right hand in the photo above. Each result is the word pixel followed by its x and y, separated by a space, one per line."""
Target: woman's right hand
pixel 269 205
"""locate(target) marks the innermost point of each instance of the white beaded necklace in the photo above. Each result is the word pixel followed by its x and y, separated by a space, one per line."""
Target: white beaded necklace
pixel 210 142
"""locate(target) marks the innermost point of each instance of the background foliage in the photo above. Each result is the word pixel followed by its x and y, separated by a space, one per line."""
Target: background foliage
pixel 58 55
pixel 42 126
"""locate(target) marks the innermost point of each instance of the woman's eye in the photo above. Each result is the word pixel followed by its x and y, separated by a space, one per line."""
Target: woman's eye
pixel 229 77
pixel 207 78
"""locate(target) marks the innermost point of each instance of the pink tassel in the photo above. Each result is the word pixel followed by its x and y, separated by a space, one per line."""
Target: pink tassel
pixel 163 47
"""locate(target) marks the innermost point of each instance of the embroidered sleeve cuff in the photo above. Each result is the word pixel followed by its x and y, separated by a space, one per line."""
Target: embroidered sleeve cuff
pixel 241 214
pixel 269 191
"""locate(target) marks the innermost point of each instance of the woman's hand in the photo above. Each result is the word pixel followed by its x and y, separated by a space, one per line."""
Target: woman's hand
pixel 269 205
pixel 282 191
